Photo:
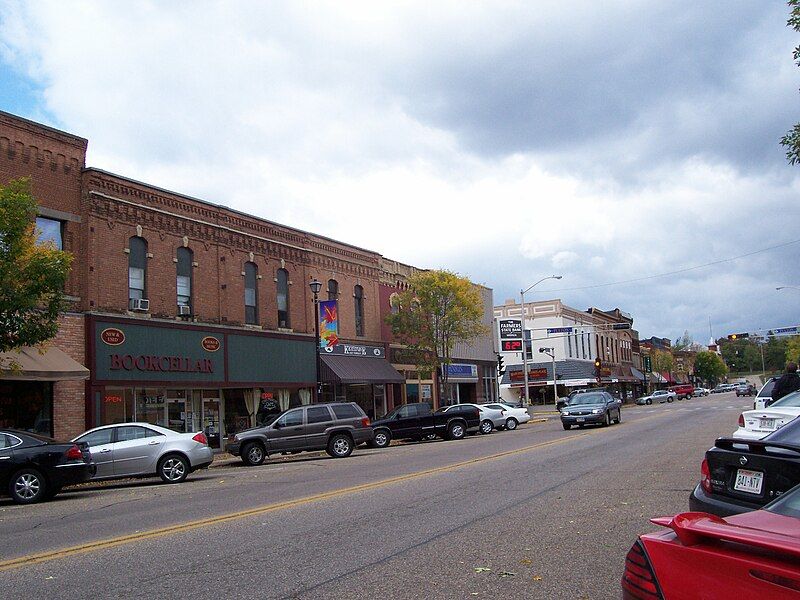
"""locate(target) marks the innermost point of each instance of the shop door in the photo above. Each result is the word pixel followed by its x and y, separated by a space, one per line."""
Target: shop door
pixel 379 400
pixel 211 421
pixel 177 414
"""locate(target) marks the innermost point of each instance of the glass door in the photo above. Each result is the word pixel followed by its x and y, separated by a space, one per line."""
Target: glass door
pixel 212 418
pixel 177 411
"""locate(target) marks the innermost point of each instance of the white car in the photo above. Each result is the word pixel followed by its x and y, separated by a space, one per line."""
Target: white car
pixel 756 424
pixel 765 394
pixel 701 391
pixel 513 416
pixel 490 418
pixel 661 396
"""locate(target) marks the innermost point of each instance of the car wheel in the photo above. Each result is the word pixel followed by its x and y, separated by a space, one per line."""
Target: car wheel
pixel 619 417
pixel 670 399
pixel 567 426
pixel 648 401
pixel 27 486
pixel 607 422
pixel 511 423
pixel 253 454
pixel 340 446
pixel 173 468
pixel 486 427
pixel 381 439
pixel 456 431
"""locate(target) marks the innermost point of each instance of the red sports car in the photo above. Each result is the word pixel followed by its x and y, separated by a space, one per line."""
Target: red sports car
pixel 751 555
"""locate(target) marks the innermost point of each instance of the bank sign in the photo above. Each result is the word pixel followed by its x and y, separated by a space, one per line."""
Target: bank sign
pixel 510 329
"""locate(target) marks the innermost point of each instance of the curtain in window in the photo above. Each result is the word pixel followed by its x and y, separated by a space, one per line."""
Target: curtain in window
pixel 305 396
pixel 251 404
pixel 283 399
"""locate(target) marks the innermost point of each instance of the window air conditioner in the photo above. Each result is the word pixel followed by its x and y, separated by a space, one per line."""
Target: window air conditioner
pixel 184 310
pixel 139 304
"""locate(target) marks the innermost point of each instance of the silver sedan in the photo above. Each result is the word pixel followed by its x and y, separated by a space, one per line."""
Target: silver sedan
pixel 490 418
pixel 143 449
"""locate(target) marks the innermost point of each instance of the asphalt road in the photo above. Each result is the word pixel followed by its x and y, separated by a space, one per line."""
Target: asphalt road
pixel 535 513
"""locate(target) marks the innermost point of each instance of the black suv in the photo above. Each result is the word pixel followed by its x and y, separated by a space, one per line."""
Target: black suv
pixel 336 428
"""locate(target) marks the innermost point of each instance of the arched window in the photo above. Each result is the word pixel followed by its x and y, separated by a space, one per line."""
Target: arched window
pixel 283 299
pixel 250 293
pixel 137 268
pixel 394 303
pixel 333 289
pixel 358 294
pixel 184 277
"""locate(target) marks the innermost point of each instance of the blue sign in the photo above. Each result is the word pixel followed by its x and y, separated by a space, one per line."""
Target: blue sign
pixel 462 370
pixel 559 330
pixel 786 330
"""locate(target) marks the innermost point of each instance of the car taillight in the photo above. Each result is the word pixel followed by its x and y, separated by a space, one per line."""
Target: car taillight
pixel 365 422
pixel 74 453
pixel 705 476
pixel 741 420
pixel 201 438
pixel 638 580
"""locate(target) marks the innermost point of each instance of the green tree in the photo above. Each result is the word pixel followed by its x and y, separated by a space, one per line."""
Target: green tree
pixel 32 275
pixel 792 350
pixel 663 362
pixel 775 353
pixel 791 141
pixel 709 367
pixel 438 310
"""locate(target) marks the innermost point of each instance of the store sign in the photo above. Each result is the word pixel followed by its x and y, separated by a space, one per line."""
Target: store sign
pixel 342 349
pixel 605 372
pixel 267 395
pixel 510 329
pixel 328 324
pixel 112 399
pixel 532 375
pixel 171 364
pixel 462 370
pixel 112 336
pixel 210 343
pixel 559 330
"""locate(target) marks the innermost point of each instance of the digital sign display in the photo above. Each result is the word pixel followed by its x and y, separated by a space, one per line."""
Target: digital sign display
pixel 512 345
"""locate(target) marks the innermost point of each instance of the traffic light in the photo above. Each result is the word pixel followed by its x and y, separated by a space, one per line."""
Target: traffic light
pixel 738 336
pixel 500 367
pixel 597 366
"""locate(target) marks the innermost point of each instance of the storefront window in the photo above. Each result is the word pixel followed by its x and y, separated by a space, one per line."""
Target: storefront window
pixel 178 411
pixel 412 392
pixel 150 403
pixel 237 417
pixel 27 405
pixel 117 406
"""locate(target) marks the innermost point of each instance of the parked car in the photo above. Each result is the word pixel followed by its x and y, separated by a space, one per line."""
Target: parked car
pixel 752 555
pixel 700 391
pixel 660 396
pixel 491 418
pixel 682 391
pixel 723 387
pixel 513 416
pixel 764 396
pixel 146 450
pixel 417 421
pixel 756 424
pixel 739 475
pixel 745 389
pixel 337 428
pixel 512 403
pixel 35 468
pixel 643 400
pixel 592 408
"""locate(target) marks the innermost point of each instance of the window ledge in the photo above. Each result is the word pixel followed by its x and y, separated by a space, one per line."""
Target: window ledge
pixel 251 326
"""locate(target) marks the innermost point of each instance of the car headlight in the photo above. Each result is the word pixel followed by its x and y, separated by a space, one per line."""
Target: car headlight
pixel 565 413
pixel 597 411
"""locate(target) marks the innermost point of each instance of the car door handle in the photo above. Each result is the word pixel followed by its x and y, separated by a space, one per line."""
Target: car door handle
pixel 106 450
pixel 153 443
pixel 5 458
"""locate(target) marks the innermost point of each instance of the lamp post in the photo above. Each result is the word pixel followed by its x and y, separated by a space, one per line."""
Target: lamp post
pixel 788 287
pixel 551 352
pixel 524 345
pixel 316 286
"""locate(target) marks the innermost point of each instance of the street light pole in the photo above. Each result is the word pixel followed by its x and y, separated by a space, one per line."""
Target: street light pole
pixel 316 286
pixel 551 352
pixel 788 287
pixel 524 344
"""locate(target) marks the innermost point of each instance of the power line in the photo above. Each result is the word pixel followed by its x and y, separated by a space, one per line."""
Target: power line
pixel 669 273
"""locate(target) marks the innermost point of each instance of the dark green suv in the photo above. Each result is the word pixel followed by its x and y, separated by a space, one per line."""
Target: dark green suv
pixel 336 428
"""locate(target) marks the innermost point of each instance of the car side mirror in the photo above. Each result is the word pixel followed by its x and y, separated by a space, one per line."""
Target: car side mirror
pixel 397 416
pixel 277 425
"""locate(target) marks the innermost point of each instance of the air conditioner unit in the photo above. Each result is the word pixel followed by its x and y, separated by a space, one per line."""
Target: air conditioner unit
pixel 139 304
pixel 184 310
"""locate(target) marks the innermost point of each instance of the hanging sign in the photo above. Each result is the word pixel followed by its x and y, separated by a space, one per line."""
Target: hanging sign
pixel 328 324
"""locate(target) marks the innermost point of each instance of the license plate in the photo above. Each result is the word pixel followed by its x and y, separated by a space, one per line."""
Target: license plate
pixel 580 420
pixel 748 481
pixel 768 423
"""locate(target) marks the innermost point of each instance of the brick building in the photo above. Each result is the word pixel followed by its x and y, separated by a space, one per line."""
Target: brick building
pixel 190 314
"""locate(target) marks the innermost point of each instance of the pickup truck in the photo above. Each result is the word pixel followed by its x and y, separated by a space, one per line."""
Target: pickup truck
pixel 683 391
pixel 417 421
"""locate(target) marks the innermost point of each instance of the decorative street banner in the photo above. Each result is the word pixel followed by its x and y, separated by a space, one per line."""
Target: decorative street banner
pixel 328 324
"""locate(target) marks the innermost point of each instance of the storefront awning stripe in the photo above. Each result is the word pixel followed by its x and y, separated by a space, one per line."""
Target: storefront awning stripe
pixel 358 369
pixel 51 364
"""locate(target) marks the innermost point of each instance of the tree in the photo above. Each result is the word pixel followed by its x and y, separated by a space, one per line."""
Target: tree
pixel 791 141
pixel 684 342
pixel 438 310
pixel 32 275
pixel 709 367
pixel 775 353
pixel 792 350
pixel 663 362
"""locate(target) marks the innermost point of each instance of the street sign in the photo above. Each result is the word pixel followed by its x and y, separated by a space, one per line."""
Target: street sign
pixel 559 330
pixel 510 329
pixel 786 330
pixel 648 364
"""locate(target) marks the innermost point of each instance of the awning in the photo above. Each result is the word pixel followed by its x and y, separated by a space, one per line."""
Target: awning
pixel 358 369
pixel 51 364
pixel 637 373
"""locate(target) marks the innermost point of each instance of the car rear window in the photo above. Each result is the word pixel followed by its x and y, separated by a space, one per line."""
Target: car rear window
pixel 792 399
pixel 788 504
pixel 346 411
pixel 766 391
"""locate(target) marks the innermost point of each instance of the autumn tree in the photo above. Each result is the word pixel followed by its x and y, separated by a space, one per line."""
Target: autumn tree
pixel 791 141
pixel 32 275
pixel 709 367
pixel 662 362
pixel 438 310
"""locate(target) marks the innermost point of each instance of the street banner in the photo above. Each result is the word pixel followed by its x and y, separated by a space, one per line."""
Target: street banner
pixel 328 324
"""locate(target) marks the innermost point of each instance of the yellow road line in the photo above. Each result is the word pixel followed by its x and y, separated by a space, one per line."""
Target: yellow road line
pixel 200 523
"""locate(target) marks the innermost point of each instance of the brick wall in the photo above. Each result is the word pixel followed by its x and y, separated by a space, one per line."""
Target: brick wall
pixel 69 412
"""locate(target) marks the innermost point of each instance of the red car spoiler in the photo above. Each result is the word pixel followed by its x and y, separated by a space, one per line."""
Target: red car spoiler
pixel 694 527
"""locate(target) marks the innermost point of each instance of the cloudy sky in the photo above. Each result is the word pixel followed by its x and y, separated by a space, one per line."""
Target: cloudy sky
pixel 603 141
